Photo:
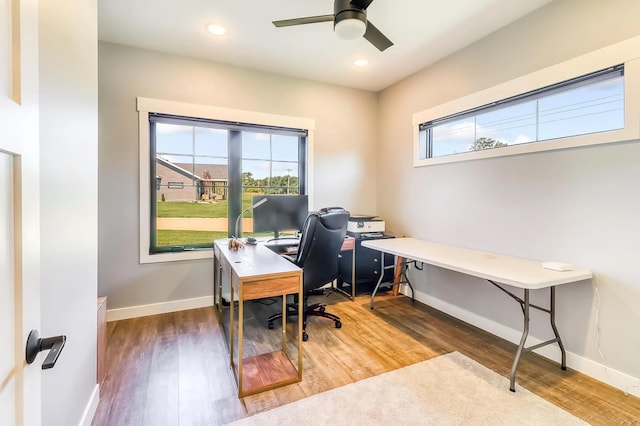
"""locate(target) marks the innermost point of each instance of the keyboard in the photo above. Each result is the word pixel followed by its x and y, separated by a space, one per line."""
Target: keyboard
pixel 284 245
pixel 285 241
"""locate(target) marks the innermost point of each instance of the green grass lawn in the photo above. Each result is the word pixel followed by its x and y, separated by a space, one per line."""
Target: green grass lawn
pixel 180 238
pixel 193 209
pixel 190 209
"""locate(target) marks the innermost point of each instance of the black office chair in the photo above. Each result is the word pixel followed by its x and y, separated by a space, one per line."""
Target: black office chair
pixel 322 237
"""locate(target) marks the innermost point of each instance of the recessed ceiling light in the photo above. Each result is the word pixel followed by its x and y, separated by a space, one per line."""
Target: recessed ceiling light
pixel 360 62
pixel 216 29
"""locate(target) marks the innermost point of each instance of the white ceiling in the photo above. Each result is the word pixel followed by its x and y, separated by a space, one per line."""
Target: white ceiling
pixel 423 31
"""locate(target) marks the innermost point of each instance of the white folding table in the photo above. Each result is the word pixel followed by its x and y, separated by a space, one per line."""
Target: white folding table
pixel 495 268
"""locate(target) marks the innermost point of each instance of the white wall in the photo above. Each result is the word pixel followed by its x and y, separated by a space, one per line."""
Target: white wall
pixel 343 153
pixel 576 205
pixel 68 178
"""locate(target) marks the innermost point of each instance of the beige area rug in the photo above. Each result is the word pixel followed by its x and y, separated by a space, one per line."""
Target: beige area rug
pixel 451 389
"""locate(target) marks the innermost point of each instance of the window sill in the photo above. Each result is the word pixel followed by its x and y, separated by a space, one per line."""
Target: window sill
pixel 177 256
pixel 533 147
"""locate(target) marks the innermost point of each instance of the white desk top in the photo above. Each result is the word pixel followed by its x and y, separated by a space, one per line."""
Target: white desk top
pixel 255 261
pixel 509 270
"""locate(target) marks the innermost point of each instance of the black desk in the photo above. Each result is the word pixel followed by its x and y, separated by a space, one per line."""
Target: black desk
pixel 362 273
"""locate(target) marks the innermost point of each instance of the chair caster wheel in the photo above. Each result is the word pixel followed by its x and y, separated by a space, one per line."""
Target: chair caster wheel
pixel 305 336
pixel 270 325
pixel 338 324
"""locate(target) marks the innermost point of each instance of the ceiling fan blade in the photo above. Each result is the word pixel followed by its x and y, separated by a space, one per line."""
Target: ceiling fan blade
pixel 301 21
pixel 361 4
pixel 375 37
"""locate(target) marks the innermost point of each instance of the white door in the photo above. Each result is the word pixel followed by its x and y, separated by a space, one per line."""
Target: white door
pixel 19 212
pixel 10 376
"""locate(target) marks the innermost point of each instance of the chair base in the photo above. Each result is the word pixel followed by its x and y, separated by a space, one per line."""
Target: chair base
pixel 316 310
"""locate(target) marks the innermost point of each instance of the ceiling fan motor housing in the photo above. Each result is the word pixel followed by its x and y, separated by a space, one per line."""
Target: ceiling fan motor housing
pixel 354 19
pixel 349 22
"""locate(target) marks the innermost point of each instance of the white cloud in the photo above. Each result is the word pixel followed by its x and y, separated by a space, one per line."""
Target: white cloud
pixel 520 139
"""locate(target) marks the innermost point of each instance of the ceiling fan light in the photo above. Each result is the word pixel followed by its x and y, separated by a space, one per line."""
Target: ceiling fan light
pixel 216 30
pixel 350 29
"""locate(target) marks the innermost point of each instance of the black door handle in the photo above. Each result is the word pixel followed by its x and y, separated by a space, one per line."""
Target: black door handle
pixel 36 344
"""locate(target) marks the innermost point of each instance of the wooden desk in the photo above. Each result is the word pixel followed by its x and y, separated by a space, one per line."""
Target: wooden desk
pixel 256 272
pixel 495 268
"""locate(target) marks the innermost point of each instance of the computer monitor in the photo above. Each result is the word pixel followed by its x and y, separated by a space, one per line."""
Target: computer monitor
pixel 280 213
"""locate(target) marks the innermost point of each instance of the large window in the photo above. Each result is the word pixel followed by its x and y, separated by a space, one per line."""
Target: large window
pixel 589 100
pixel 205 172
pixel 198 173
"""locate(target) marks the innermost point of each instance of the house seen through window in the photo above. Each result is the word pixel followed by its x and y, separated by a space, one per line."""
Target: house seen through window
pixel 204 174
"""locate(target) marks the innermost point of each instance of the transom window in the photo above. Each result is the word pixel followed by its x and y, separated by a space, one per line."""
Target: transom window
pixel 583 105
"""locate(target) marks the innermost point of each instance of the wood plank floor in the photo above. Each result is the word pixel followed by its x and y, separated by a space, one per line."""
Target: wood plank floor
pixel 173 369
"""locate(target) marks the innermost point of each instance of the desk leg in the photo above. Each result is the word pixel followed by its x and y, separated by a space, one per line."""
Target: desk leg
pixel 240 342
pixel 523 339
pixel 284 322
pixel 526 306
pixel 375 290
pixel 403 268
pixel 552 316
pixel 397 276
pixel 405 265
pixel 232 327
pixel 353 272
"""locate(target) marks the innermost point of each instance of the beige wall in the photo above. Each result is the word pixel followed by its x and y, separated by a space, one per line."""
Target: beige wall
pixel 344 156
pixel 575 205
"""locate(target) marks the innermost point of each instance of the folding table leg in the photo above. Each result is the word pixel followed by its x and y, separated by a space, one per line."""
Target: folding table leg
pixel 523 339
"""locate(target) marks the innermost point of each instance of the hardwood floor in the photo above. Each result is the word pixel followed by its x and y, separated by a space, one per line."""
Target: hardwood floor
pixel 173 369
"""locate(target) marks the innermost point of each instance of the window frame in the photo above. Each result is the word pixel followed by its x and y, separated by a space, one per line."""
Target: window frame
pixel 626 52
pixel 147 106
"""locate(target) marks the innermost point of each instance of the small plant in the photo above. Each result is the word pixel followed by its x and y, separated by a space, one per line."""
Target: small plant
pixel 162 198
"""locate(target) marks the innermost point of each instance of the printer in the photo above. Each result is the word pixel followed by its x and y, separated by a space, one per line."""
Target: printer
pixel 365 226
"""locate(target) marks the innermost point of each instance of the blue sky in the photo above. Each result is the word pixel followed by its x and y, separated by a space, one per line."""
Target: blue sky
pixel 594 107
pixel 262 153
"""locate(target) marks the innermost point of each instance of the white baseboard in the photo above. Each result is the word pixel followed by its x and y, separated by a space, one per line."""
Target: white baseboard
pixel 158 308
pixel 92 406
pixel 628 384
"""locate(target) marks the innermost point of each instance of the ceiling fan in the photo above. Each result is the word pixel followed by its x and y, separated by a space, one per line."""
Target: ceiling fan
pixel 349 22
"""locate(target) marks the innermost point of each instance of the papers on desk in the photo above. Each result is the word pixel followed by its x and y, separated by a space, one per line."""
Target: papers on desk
pixel 557 266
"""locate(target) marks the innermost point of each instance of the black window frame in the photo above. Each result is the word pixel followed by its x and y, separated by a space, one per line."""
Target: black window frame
pixel 235 187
